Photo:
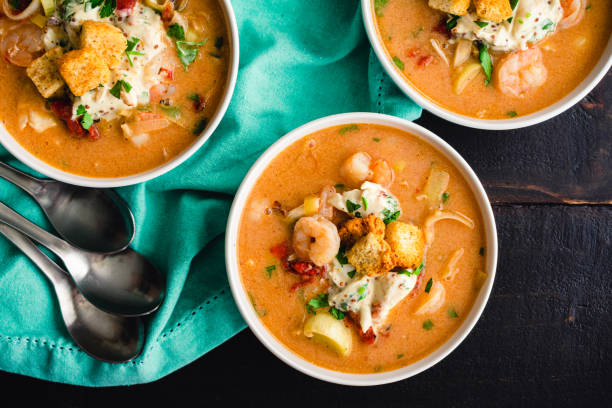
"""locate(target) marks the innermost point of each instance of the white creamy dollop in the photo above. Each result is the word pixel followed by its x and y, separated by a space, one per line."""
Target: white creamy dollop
pixel 371 198
pixel 532 21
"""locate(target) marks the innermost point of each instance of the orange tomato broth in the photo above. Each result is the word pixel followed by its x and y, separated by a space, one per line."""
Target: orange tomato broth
pixel 113 155
pixel 569 55
pixel 305 168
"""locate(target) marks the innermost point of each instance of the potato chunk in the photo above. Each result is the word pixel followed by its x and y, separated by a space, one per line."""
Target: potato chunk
pixel 107 40
pixel 371 255
pixel 407 242
pixel 327 330
pixel 45 75
pixel 83 70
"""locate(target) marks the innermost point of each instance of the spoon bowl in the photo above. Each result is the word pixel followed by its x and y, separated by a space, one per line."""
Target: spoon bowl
pixel 102 335
pixel 97 220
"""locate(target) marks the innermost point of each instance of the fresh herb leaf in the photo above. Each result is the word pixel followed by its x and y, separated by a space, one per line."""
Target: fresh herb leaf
pixel 95 3
pixel 398 62
pixel 342 259
pixel 390 217
pixel 108 8
pixel 452 313
pixel 548 24
pixel 200 126
pixel 378 6
pixel 352 273
pixel 428 286
pixel 116 89
pixel 376 139
pixel 176 31
pixel 520 20
pixel 511 113
pixel 339 186
pixel 86 119
pixel 418 31
pixel 317 302
pixel 131 46
pixel 338 314
pixel 452 23
pixel 428 324
pixel 219 42
pixel 365 203
pixel 510 19
pixel 362 291
pixel 351 206
pixel 485 61
pixel 445 196
pixel 481 24
pixel 349 128
pixel 269 270
pixel 188 51
pixel 481 251
pixel 418 270
pixel 513 3
pixel 400 356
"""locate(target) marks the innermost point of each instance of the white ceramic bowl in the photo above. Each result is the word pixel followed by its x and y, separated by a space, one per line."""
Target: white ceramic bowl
pixel 35 163
pixel 551 111
pixel 241 297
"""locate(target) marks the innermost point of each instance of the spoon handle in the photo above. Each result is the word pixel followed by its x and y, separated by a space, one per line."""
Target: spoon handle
pixel 11 218
pixel 56 275
pixel 30 184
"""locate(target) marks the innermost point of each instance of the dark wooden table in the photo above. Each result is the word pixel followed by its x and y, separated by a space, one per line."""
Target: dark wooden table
pixel 545 338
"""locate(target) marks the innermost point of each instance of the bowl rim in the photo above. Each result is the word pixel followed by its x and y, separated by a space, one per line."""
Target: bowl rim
pixel 240 294
pixel 548 112
pixel 24 156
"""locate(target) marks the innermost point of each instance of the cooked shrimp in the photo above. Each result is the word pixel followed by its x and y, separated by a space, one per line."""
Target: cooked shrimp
pixel 573 11
pixel 356 169
pixel 382 173
pixel 521 72
pixel 359 168
pixel 21 43
pixel 316 239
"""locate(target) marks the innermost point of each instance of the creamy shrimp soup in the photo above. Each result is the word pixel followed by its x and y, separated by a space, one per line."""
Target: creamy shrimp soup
pixel 110 88
pixel 494 59
pixel 361 248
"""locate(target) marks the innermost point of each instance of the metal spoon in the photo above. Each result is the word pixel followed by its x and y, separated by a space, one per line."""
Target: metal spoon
pixel 98 220
pixel 124 283
pixel 100 334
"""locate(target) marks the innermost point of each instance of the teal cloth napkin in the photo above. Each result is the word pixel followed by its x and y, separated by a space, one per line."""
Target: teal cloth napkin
pixel 299 61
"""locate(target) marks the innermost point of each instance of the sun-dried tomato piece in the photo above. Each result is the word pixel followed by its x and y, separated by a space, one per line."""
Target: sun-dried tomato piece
pixel 281 251
pixel 425 61
pixel 125 5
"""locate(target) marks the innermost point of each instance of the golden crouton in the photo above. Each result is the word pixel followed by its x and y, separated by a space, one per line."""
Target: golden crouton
pixel 355 228
pixel 83 70
pixel 493 10
pixel 43 72
pixel 457 7
pixel 407 242
pixel 107 40
pixel 371 255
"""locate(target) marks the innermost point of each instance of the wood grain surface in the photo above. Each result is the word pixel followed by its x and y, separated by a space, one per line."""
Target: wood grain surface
pixel 545 338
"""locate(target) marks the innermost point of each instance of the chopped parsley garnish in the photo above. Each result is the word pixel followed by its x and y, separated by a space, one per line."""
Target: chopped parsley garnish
pixel 452 313
pixel 108 8
pixel 219 42
pixel 376 139
pixel 416 32
pixel 398 62
pixel 510 19
pixel 339 186
pixel 338 314
pixel 445 196
pixel 362 291
pixel 400 356
pixel 116 89
pixel 365 203
pixel 452 23
pixel 176 31
pixel 352 273
pixel 520 20
pixel 418 270
pixel 548 24
pixel 200 126
pixel 428 286
pixel 588 7
pixel 269 270
pixel 131 46
pixel 172 111
pixel 342 259
pixel 481 24
pixel 481 251
pixel 214 54
pixel 379 5
pixel 389 216
pixel 351 206
pixel 317 302
pixel 513 3
pixel 485 61
pixel 511 113
pixel 86 119
pixel 349 128
pixel 428 324
pixel 409 271
pixel 188 51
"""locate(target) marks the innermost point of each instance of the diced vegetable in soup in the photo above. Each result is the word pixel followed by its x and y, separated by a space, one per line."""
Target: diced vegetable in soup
pixel 494 59
pixel 110 88
pixel 364 246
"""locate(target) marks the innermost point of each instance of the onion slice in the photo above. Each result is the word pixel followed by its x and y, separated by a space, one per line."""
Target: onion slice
pixel 28 12
pixel 440 215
